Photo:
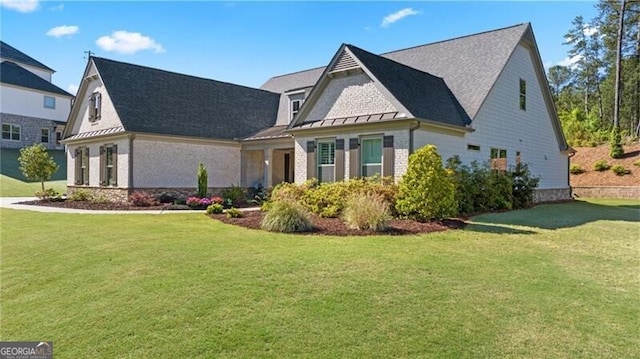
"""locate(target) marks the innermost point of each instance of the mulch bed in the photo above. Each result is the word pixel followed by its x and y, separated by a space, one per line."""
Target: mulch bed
pixel 336 227
pixel 252 219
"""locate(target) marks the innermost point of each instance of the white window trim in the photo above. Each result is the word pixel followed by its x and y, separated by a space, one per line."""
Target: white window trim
pixel 522 95
pixel 372 137
pixel 11 126
pixel 45 102
pixel 48 135
pixel 291 113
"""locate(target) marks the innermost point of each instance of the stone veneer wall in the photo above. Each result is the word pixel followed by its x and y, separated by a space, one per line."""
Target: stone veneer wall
pixel 30 131
pixel 551 195
pixel 112 194
pixel 630 192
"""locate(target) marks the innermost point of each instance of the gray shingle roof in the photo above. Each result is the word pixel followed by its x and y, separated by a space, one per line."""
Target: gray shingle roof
pixel 8 52
pixel 469 65
pixel 424 95
pixel 16 75
pixel 156 101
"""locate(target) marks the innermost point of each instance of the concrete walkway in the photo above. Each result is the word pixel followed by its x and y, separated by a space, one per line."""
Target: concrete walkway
pixel 11 202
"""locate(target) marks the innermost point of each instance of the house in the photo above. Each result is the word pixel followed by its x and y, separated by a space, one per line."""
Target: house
pixel 32 109
pixel 483 97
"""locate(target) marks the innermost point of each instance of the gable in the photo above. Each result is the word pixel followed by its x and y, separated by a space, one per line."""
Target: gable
pixel 349 96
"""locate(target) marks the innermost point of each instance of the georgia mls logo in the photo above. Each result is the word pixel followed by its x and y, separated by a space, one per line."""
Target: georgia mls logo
pixel 26 350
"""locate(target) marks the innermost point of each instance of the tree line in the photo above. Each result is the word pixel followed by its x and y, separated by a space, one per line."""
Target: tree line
pixel 597 92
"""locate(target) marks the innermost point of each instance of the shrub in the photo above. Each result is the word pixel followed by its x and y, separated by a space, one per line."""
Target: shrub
pixel 426 190
pixel 235 195
pixel 234 213
pixel 576 169
pixel 166 197
pixel 287 191
pixel 286 216
pixel 215 208
pixel 620 170
pixel 81 196
pixel 366 211
pixel 47 194
pixel 523 185
pixel 203 180
pixel 601 165
pixel 637 163
pixel 197 202
pixel 142 199
pixel 217 199
pixel 100 199
pixel 615 143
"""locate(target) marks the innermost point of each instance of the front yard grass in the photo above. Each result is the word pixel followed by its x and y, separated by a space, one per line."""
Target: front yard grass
pixel 555 281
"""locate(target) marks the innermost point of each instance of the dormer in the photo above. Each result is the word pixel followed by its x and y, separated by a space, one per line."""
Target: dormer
pixel 295 100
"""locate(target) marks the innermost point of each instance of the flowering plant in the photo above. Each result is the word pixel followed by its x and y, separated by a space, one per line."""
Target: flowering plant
pixel 198 202
pixel 217 199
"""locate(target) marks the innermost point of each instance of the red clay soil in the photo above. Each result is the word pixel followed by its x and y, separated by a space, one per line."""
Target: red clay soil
pixel 336 227
pixel 587 156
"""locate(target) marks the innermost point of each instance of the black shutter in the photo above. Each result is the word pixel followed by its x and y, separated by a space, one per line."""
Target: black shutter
pixel 103 165
pixel 86 173
pixel 77 153
pixel 115 165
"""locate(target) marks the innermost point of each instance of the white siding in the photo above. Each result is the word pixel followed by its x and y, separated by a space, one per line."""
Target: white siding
pixel 350 96
pixel 30 103
pixel 174 164
pixel 500 123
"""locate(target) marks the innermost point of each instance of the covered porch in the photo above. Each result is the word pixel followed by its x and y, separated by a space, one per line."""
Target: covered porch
pixel 268 158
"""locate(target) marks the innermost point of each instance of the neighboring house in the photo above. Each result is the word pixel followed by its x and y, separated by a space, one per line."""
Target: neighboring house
pixel 483 97
pixel 32 109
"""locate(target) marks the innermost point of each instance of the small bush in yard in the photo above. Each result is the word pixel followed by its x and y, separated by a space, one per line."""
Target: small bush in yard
pixel 286 216
pixel 601 165
pixel 426 191
pixel 576 169
pixel 235 195
pixel 523 185
pixel 637 163
pixel 142 199
pixel 48 194
pixel 366 211
pixel 620 170
pixel 81 196
pixel 215 208
pixel 234 213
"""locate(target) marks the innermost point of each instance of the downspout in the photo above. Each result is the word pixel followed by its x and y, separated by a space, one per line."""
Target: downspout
pixel 130 172
pixel 411 131
pixel 571 154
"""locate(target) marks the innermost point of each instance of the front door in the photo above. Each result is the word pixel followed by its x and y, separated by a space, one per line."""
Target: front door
pixel 287 168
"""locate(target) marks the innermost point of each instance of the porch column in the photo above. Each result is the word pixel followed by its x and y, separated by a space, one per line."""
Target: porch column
pixel 268 168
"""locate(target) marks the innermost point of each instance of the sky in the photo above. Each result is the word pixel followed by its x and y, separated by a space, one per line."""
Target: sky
pixel 248 42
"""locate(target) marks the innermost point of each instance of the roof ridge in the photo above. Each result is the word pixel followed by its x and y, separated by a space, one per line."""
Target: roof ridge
pixel 455 38
pixel 395 62
pixel 35 63
pixel 181 74
pixel 297 72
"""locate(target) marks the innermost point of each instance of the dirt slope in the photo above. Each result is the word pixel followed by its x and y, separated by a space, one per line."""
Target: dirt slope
pixel 587 156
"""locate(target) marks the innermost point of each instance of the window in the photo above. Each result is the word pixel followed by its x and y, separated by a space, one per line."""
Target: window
pixel 371 156
pixel 82 165
pixel 295 107
pixel 498 159
pixel 95 105
pixel 10 132
pixel 44 135
pixel 473 148
pixel 326 161
pixel 518 158
pixel 49 102
pixel 108 168
pixel 523 95
pixel 58 137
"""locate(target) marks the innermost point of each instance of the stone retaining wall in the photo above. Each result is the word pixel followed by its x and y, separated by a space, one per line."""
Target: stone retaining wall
pixel 551 195
pixel 630 192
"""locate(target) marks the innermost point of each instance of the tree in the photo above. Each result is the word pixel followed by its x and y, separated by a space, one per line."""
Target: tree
pixel 203 181
pixel 426 191
pixel 616 145
pixel 36 164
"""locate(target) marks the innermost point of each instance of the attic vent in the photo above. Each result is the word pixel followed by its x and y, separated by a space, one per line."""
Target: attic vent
pixel 345 61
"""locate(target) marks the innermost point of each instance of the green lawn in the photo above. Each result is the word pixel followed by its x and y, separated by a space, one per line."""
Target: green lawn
pixel 14 184
pixel 556 281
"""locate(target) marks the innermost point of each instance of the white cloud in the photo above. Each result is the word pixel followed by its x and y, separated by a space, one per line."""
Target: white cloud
pixel 21 5
pixel 125 42
pixel 570 61
pixel 590 30
pixel 58 7
pixel 72 89
pixel 397 16
pixel 63 30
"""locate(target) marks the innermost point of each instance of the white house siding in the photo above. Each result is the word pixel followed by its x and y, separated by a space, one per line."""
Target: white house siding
pixel 501 124
pixel 108 115
pixel 169 164
pixel 449 143
pixel 30 103
pixel 253 167
pixel 94 161
pixel 347 96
